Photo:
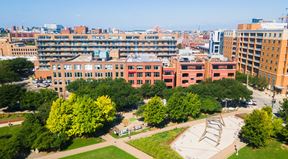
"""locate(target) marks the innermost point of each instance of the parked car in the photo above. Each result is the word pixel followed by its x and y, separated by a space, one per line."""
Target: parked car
pixel 251 102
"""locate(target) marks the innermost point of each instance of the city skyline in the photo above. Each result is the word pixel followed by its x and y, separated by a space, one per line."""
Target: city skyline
pixel 128 14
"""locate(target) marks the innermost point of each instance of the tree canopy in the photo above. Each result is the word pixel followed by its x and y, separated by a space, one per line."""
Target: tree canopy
pixel 80 116
pixel 121 92
pixel 10 95
pixel 154 111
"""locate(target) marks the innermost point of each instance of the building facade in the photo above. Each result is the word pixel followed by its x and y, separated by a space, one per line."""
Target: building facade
pixel 261 50
pixel 141 69
pixel 65 46
pixel 216 42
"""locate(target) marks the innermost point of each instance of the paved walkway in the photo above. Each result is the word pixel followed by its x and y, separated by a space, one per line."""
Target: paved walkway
pixel 13 123
pixel 121 143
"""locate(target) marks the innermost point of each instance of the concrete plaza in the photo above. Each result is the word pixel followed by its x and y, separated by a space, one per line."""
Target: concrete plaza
pixel 189 147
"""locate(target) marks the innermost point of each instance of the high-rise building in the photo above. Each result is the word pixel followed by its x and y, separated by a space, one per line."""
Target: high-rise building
pixel 65 46
pixel 261 49
pixel 216 42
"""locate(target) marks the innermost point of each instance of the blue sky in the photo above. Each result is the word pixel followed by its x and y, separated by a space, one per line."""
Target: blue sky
pixel 139 14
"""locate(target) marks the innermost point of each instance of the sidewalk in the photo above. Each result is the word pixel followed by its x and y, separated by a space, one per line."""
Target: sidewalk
pixel 121 143
pixel 13 123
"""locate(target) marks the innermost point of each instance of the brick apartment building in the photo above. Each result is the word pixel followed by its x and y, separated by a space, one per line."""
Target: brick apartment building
pixel 139 69
pixel 260 49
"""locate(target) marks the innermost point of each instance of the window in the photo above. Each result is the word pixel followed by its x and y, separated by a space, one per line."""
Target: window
pixel 131 75
pixel 67 82
pixel 77 67
pixel 139 67
pixel 167 80
pixel 131 81
pixel 108 74
pixel 148 81
pixel 88 74
pixel 148 67
pixel 59 74
pixel 184 67
pixel 54 74
pixel 184 81
pixel 68 74
pixel 98 74
pixel 215 66
pixel 98 67
pixel 54 67
pixel 121 74
pixel 216 74
pixel 199 67
pixel 117 74
pixel 185 75
pixel 108 67
pixel 67 67
pixel 78 74
pixel 121 66
pixel 116 67
pixel 229 66
pixel 230 74
pixel 147 74
pixel 156 74
pixel 139 74
pixel 130 67
pixel 139 82
pixel 199 74
pixel 59 67
pixel 156 67
pixel 87 67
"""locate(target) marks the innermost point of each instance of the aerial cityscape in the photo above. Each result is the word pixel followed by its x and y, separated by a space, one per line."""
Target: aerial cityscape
pixel 144 79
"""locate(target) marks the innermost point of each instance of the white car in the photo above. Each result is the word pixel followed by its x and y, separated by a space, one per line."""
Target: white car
pixel 251 102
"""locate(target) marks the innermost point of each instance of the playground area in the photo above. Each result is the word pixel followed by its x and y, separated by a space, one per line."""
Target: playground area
pixel 205 140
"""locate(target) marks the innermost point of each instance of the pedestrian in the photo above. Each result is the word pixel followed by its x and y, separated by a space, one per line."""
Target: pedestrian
pixel 236 150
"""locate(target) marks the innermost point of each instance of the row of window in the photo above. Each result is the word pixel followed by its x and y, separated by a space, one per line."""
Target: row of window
pixel 141 81
pixel 140 67
pixel 147 74
pixel 89 74
pixel 89 67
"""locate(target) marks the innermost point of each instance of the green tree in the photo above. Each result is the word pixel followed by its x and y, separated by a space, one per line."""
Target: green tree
pixel 210 105
pixel 121 92
pixel 158 88
pixel 6 75
pixel 284 110
pixel 60 116
pixel 89 115
pixel 32 100
pixel 155 112
pixel 10 96
pixel 257 129
pixel 146 90
pixel 21 66
pixel 192 104
pixel 176 107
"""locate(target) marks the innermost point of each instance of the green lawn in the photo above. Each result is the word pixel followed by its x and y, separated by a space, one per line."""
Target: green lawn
pixel 7 132
pixel 11 117
pixel 273 150
pixel 110 152
pixel 158 145
pixel 80 142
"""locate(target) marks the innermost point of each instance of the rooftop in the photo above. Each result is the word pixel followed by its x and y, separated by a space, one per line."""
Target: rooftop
pixel 142 58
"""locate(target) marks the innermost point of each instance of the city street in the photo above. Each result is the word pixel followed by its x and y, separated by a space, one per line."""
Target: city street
pixel 265 98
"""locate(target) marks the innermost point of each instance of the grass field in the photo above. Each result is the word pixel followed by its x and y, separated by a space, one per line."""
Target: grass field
pixel 110 152
pixel 158 145
pixel 7 132
pixel 273 150
pixel 80 142
pixel 11 117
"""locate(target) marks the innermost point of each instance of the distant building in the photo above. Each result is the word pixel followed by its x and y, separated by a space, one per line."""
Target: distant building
pixel 66 30
pixel 216 42
pixel 80 30
pixel 53 28
pixel 260 49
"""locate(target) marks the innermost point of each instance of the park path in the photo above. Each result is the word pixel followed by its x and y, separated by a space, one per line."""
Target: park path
pixel 121 143
pixel 13 123
pixel 230 150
